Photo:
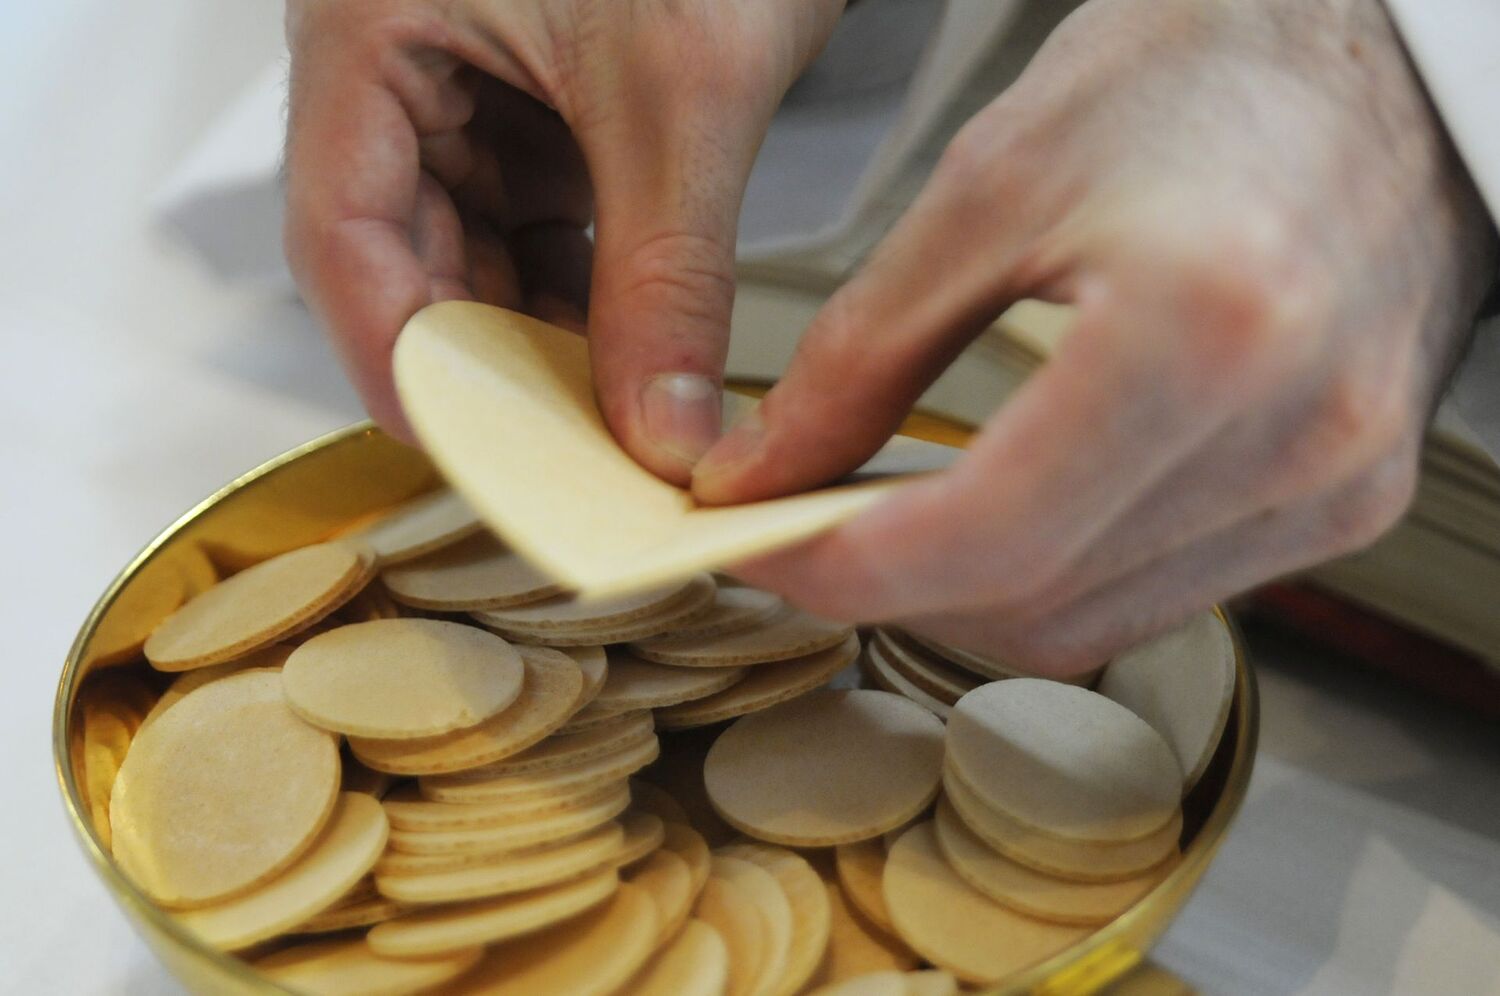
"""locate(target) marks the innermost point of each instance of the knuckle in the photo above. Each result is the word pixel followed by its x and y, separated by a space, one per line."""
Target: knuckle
pixel 1365 416
pixel 1374 503
pixel 682 273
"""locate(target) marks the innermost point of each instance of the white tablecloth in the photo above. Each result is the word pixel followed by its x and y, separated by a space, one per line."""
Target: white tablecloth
pixel 133 384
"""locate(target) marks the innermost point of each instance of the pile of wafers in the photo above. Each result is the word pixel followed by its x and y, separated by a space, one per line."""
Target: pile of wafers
pixel 403 760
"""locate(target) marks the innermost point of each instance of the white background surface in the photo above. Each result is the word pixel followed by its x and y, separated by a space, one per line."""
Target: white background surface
pixel 132 384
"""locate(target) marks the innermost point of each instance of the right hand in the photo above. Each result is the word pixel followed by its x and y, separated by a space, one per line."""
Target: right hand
pixel 461 150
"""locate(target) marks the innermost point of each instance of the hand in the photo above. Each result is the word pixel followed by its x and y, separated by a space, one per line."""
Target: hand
pixel 1275 258
pixel 461 149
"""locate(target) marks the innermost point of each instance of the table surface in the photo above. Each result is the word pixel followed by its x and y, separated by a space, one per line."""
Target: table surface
pixel 135 384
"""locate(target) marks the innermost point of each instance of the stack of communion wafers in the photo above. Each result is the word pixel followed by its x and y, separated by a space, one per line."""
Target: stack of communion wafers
pixel 403 760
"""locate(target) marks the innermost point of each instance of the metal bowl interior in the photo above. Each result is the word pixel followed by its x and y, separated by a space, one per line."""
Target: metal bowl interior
pixel 318 489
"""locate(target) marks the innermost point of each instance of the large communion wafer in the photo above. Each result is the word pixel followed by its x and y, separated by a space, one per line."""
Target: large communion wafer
pixel 402 678
pixel 829 768
pixel 1064 760
pixel 221 792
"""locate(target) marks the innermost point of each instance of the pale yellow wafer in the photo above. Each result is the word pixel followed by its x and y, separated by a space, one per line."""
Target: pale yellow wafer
pixel 424 933
pixel 1083 861
pixel 475 573
pixel 861 868
pixel 1032 892
pixel 591 955
pixel 792 633
pixel 694 600
pixel 695 963
pixel 553 783
pixel 257 606
pixel 688 844
pixel 637 684
pixel 402 678
pixel 877 667
pixel 592 717
pixel 666 876
pixel 855 947
pixel 339 858
pixel 775 913
pixel 273 657
pixel 762 687
pixel 956 927
pixel 394 862
pixel 732 610
pixel 593 664
pixel 519 833
pixel 549 693
pixel 408 811
pixel 886 983
pixel 980 664
pixel 421 525
pixel 831 767
pixel 1064 760
pixel 347 967
pixel 644 833
pixel 729 910
pixel 655 799
pixel 376 909
pixel 509 874
pixel 569 612
pixel 931 982
pixel 221 792
pixel 1182 683
pixel 567 750
pixel 930 673
pixel 808 900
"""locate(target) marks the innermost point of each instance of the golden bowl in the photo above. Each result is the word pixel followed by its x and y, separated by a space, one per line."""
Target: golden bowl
pixel 317 489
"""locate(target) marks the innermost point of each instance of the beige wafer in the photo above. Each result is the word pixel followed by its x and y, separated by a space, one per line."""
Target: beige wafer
pixel 732 610
pixel 1081 861
pixel 339 858
pixel 790 634
pixel 569 612
pixel 644 833
pixel 823 769
pixel 272 657
pixel 363 913
pixel 549 693
pixel 980 664
pixel 729 910
pixel 688 844
pixel 565 750
pixel 669 881
pixel 408 811
pixel 593 954
pixel 877 667
pixel 691 602
pixel 555 783
pixel 402 678
pixel 419 526
pixel 595 851
pixel 695 963
pixel 861 868
pixel 637 684
pixel 1064 760
pixel 775 913
pixel 519 833
pixel 762 687
pixel 933 674
pixel 347 967
pixel 394 862
pixel 1031 892
pixel 221 792
pixel 424 933
pixel 807 897
pixel 887 983
pixel 956 927
pixel 474 573
pixel 593 664
pixel 592 717
pixel 257 606
pixel 855 947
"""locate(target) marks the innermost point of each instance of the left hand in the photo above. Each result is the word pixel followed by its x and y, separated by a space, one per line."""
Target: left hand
pixel 1275 257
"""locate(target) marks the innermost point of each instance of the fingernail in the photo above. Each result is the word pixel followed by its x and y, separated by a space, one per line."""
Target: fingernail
pixel 681 414
pixel 737 446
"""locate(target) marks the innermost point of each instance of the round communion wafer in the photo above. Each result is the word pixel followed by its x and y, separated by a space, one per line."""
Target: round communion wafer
pixel 775 915
pixel 644 833
pixel 348 967
pixel 669 881
pixel 338 859
pixel 505 875
pixel 474 573
pixel 565 750
pixel 762 687
pixel 681 839
pixel 887 983
pixel 956 927
pixel 808 898
pixel 257 606
pixel 599 809
pixel 692 601
pixel 1032 892
pixel 876 666
pixel 828 768
pixel 732 610
pixel 549 693
pixel 394 862
pixel 855 946
pixel 565 612
pixel 558 784
pixel 221 792
pixel 730 911
pixel 1064 760
pixel 408 810
pixel 695 963
pixel 637 684
pixel 593 954
pixel 421 525
pixel 591 717
pixel 376 909
pixel 1182 683
pixel 402 678
pixel 861 869
pixel 980 664
pixel 791 634
pixel 931 673
pixel 1083 861
pixel 272 657
pixel 593 664
pixel 424 933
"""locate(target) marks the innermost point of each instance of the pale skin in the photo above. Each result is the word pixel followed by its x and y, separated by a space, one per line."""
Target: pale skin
pixel 1274 253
